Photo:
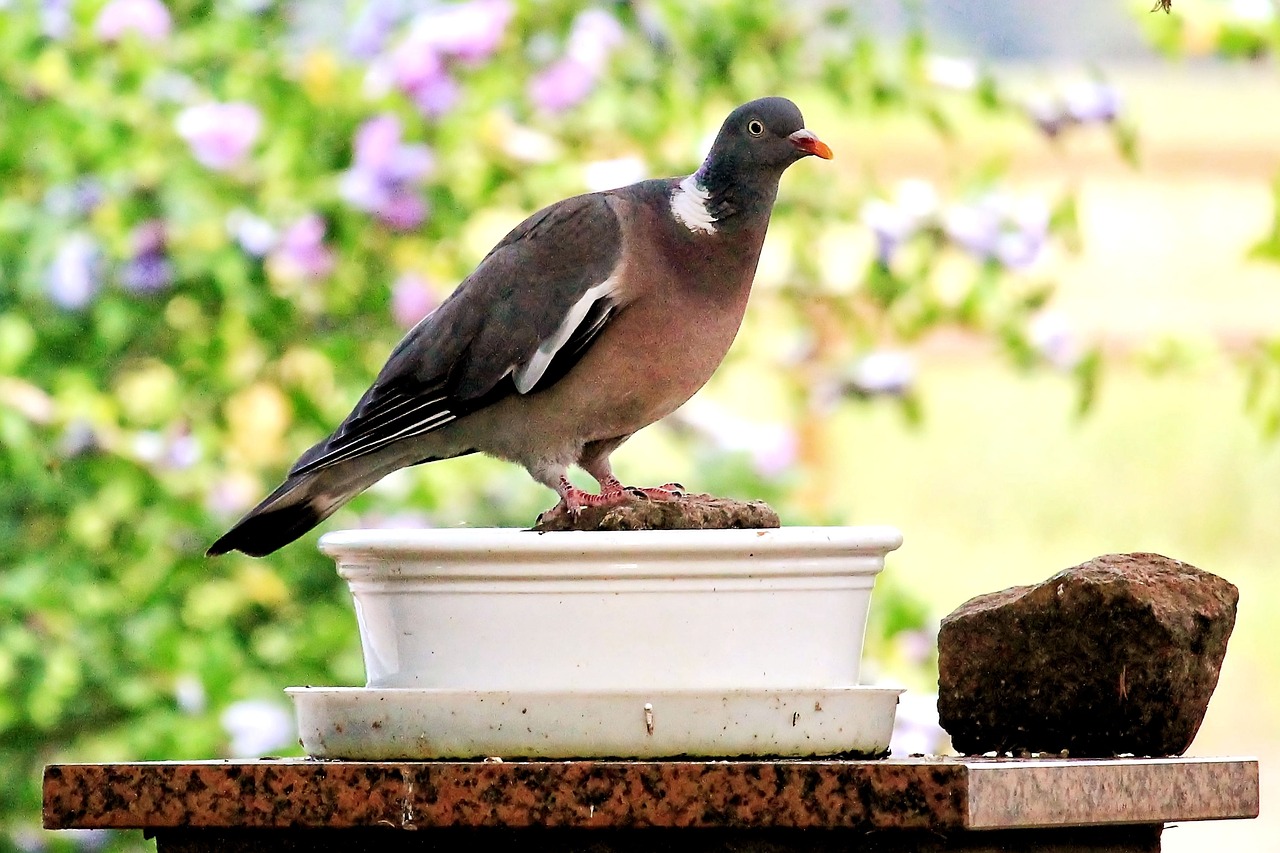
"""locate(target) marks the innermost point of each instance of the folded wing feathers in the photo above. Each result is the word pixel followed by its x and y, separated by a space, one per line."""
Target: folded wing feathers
pixel 391 419
pixel 397 415
pixel 527 375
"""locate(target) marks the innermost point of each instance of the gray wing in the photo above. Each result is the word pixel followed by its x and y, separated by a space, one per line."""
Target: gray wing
pixel 515 326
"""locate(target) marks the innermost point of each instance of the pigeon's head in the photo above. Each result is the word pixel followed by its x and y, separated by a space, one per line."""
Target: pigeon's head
pixel 766 134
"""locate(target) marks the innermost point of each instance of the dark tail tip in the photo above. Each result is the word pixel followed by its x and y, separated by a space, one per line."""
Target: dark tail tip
pixel 260 533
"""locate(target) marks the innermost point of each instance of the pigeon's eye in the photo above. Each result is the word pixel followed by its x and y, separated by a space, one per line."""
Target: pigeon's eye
pixel 754 127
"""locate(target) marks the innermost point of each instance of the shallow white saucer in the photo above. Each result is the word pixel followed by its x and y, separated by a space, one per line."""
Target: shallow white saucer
pixel 407 723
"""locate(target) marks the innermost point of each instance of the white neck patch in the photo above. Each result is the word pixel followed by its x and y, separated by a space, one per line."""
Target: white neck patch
pixel 689 205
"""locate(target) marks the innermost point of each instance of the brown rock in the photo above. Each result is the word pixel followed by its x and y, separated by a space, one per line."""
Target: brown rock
pixel 689 512
pixel 1117 655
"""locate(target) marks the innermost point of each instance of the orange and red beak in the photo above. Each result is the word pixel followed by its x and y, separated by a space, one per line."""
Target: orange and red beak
pixel 810 144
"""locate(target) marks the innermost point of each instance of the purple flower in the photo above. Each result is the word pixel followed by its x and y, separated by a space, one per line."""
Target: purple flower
pixel 1048 114
pixel 890 224
pixel 76 272
pixel 384 173
pixel 302 254
pixel 1017 250
pixel 421 74
pixel 437 97
pixel 76 199
pixel 78 437
pixel 1091 102
pixel 149 19
pixel 378 149
pixel 149 269
pixel 177 450
pixel 371 28
pixel 412 298
pixel 567 81
pixel 403 211
pixel 561 85
pixel 973 227
pixel 996 226
pixel 468 31
pixel 55 19
pixel 413 65
pixel 220 134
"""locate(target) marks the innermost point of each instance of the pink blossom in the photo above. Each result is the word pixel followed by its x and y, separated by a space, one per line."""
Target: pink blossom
pixel 420 73
pixel 384 173
pixel 567 81
pixel 594 36
pixel 561 85
pixel 302 253
pixel 412 298
pixel 220 134
pixel 469 31
pixel 149 19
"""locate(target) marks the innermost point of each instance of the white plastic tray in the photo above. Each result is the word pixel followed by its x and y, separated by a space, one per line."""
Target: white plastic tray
pixel 406 723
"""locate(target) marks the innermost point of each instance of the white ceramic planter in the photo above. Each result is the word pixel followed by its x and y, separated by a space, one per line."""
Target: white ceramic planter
pixel 516 610
pixel 641 643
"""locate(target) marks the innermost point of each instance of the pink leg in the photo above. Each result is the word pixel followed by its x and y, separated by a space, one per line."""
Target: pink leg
pixel 574 499
pixel 597 465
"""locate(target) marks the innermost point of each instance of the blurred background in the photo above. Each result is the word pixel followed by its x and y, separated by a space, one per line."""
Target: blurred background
pixel 1029 315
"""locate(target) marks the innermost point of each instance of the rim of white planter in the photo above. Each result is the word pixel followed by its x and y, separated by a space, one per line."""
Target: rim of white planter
pixel 786 550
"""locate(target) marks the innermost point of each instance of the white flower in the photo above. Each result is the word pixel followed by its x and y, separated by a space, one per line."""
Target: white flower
pixel 1050 333
pixel 257 727
pixel 220 134
pixel 603 175
pixel 883 372
pixel 952 72
pixel 773 447
pixel 594 36
pixel 1253 11
pixel 188 692
pixel 918 198
pixel 916 730
pixel 255 235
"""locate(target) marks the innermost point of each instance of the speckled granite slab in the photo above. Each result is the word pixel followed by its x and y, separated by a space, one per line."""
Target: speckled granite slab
pixel 940 795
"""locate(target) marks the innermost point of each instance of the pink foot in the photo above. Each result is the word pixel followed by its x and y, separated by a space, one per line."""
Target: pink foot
pixel 665 492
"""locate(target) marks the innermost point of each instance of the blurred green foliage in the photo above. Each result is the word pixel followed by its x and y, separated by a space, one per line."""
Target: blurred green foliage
pixel 1241 30
pixel 179 320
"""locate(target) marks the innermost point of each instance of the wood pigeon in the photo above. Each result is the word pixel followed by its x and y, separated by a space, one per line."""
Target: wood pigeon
pixel 593 318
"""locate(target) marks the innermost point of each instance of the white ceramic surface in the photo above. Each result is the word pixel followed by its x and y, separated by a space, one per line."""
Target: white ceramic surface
pixel 367 724
pixel 513 610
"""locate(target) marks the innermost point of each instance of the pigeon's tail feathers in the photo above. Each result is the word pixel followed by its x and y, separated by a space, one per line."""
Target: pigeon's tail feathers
pixel 290 511
pixel 268 529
